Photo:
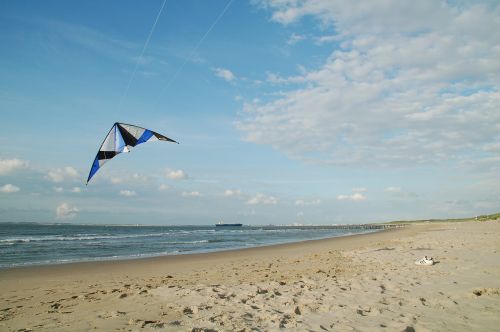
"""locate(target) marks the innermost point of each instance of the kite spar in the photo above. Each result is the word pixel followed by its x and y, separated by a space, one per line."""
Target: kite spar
pixel 121 138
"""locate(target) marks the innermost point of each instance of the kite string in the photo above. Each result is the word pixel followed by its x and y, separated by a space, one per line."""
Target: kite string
pixel 142 53
pixel 191 54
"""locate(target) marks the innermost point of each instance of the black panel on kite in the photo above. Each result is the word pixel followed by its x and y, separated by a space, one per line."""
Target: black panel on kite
pixel 121 138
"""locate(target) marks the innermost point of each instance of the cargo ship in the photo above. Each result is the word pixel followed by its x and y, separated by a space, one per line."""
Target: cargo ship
pixel 223 224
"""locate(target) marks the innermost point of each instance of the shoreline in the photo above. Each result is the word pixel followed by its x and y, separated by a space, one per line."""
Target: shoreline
pixel 360 282
pixel 367 230
pixel 192 257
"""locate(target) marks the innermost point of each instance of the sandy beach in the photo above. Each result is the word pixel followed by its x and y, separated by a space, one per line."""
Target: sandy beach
pixel 357 283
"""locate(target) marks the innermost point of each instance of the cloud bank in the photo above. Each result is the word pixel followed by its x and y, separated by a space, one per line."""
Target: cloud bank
pixel 127 193
pixel 353 197
pixel 262 199
pixel 225 74
pixel 61 174
pixel 9 188
pixel 406 83
pixel 191 194
pixel 66 211
pixel 11 165
pixel 176 174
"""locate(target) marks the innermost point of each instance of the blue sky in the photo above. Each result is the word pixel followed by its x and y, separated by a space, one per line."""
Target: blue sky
pixel 287 111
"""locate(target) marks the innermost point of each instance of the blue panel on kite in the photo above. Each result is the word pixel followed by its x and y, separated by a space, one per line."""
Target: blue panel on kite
pixel 93 170
pixel 145 136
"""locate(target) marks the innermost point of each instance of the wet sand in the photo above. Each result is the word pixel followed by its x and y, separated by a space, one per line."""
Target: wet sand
pixel 357 283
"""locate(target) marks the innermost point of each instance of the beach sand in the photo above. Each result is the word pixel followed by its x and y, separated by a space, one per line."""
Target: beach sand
pixel 358 283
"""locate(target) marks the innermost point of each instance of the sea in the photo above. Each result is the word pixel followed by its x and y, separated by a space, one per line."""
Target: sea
pixel 25 244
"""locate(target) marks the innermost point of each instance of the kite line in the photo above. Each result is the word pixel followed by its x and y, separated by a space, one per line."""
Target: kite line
pixel 191 54
pixel 142 53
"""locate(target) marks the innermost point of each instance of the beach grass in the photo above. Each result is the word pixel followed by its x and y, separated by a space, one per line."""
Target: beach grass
pixel 486 217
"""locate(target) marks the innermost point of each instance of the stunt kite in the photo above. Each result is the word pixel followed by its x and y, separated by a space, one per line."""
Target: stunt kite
pixel 121 138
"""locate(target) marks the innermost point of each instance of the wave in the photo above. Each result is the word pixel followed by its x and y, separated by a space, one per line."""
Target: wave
pixel 172 232
pixel 82 237
pixel 187 242
pixel 88 259
pixel 17 249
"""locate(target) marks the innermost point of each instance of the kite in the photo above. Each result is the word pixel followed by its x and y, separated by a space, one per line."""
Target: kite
pixel 121 138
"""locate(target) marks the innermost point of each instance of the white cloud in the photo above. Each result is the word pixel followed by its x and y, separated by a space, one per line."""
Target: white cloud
pixel 62 174
pixel 393 189
pixel 492 147
pixel 359 190
pixel 400 193
pixel 71 172
pixel 9 188
pixel 176 174
pixel 10 165
pixel 262 199
pixel 127 193
pixel 225 74
pixel 73 190
pixel 66 211
pixel 163 187
pixel 295 38
pixel 301 202
pixel 483 165
pixel 353 197
pixel 232 192
pixel 191 194
pixel 326 39
pixel 116 180
pixel 140 177
pixel 136 177
pixel 274 78
pixel 407 83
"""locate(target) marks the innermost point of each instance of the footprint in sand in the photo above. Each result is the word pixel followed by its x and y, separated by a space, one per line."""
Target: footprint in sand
pixel 190 310
pixel 202 329
pixel 149 323
pixel 111 314
pixel 486 291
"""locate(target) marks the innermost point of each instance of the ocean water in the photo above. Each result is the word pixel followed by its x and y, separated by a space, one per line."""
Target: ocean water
pixel 24 244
